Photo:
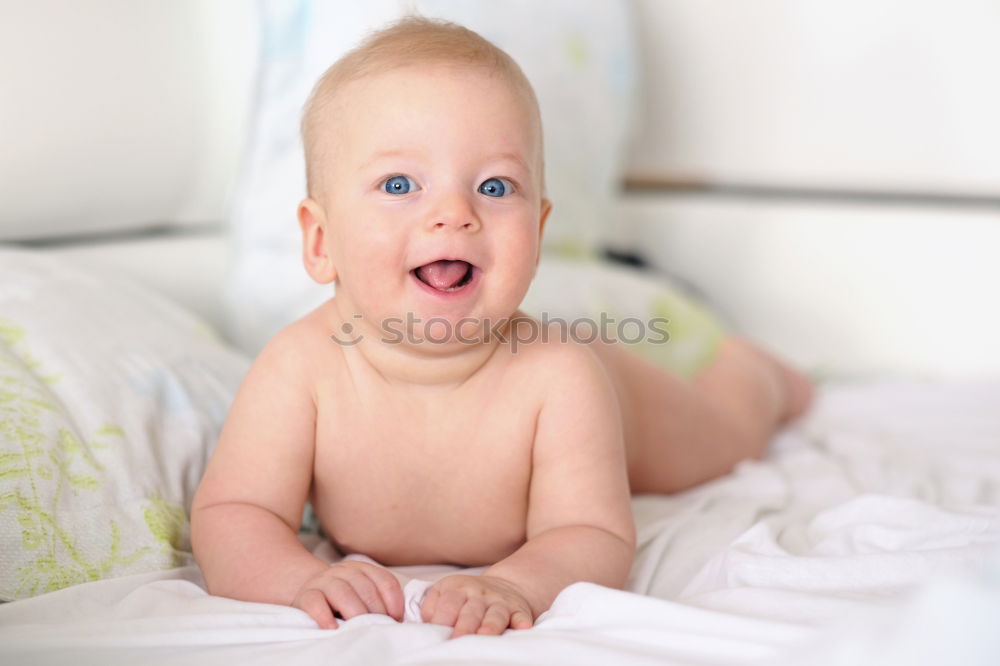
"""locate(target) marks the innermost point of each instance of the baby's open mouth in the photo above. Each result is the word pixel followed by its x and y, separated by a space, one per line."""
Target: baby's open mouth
pixel 445 274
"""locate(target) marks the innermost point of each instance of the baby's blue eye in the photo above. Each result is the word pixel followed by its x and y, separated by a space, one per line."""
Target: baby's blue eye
pixel 496 187
pixel 399 185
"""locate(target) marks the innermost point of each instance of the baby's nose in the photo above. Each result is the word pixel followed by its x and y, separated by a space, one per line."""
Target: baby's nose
pixel 454 212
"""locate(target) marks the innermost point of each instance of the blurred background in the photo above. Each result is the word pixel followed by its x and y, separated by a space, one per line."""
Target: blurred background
pixel 825 174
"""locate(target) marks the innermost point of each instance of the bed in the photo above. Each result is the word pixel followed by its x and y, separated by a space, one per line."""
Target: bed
pixel 869 533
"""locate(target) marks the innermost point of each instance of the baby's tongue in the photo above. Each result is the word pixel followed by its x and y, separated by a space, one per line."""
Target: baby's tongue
pixel 443 274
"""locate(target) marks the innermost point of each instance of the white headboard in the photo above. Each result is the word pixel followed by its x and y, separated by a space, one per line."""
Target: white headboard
pixel 828 174
pixel 121 114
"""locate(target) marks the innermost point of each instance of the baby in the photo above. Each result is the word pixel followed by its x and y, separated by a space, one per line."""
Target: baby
pixel 399 409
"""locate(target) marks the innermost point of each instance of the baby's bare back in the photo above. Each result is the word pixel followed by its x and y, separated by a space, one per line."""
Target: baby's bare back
pixel 429 474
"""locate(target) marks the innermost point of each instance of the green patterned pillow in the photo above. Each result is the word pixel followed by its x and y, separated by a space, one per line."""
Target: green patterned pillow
pixel 647 312
pixel 110 400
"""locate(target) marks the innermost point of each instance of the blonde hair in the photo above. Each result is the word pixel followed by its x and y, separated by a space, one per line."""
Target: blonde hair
pixel 411 40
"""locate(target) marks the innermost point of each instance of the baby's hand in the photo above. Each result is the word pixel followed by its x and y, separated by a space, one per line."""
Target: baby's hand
pixel 476 605
pixel 350 588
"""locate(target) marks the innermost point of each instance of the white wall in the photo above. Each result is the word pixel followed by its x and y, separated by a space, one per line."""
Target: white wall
pixel 858 94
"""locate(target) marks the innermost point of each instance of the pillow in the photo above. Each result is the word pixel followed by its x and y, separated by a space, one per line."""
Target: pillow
pixel 652 315
pixel 580 57
pixel 111 398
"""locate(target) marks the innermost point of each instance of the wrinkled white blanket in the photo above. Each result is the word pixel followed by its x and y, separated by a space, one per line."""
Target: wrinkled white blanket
pixel 868 536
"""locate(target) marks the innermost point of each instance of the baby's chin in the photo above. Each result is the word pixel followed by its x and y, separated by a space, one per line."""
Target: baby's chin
pixel 449 330
pixel 444 336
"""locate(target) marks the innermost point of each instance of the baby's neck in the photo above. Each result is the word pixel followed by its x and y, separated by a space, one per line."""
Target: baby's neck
pixel 401 363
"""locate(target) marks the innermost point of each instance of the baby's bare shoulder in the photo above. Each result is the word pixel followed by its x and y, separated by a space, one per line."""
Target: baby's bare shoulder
pixel 297 350
pixel 552 353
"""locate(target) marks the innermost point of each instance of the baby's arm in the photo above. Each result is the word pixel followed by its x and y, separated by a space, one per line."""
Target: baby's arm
pixel 248 508
pixel 579 524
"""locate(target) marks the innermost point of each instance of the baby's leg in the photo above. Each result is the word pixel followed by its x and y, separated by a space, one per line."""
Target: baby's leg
pixel 679 433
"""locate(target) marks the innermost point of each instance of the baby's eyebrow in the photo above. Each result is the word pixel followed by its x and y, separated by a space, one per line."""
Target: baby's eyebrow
pixel 386 154
pixel 512 157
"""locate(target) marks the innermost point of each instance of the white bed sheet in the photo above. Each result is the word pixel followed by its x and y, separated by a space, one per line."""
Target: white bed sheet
pixel 868 535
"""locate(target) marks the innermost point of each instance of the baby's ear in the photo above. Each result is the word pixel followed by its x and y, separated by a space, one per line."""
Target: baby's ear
pixel 319 264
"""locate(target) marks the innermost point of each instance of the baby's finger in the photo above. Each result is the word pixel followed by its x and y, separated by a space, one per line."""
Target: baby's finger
pixel 429 603
pixel 521 619
pixel 495 621
pixel 447 608
pixel 314 603
pixel 365 588
pixel 343 598
pixel 469 618
pixel 389 589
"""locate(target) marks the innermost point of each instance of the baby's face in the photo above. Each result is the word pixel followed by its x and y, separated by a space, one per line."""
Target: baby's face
pixel 431 186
